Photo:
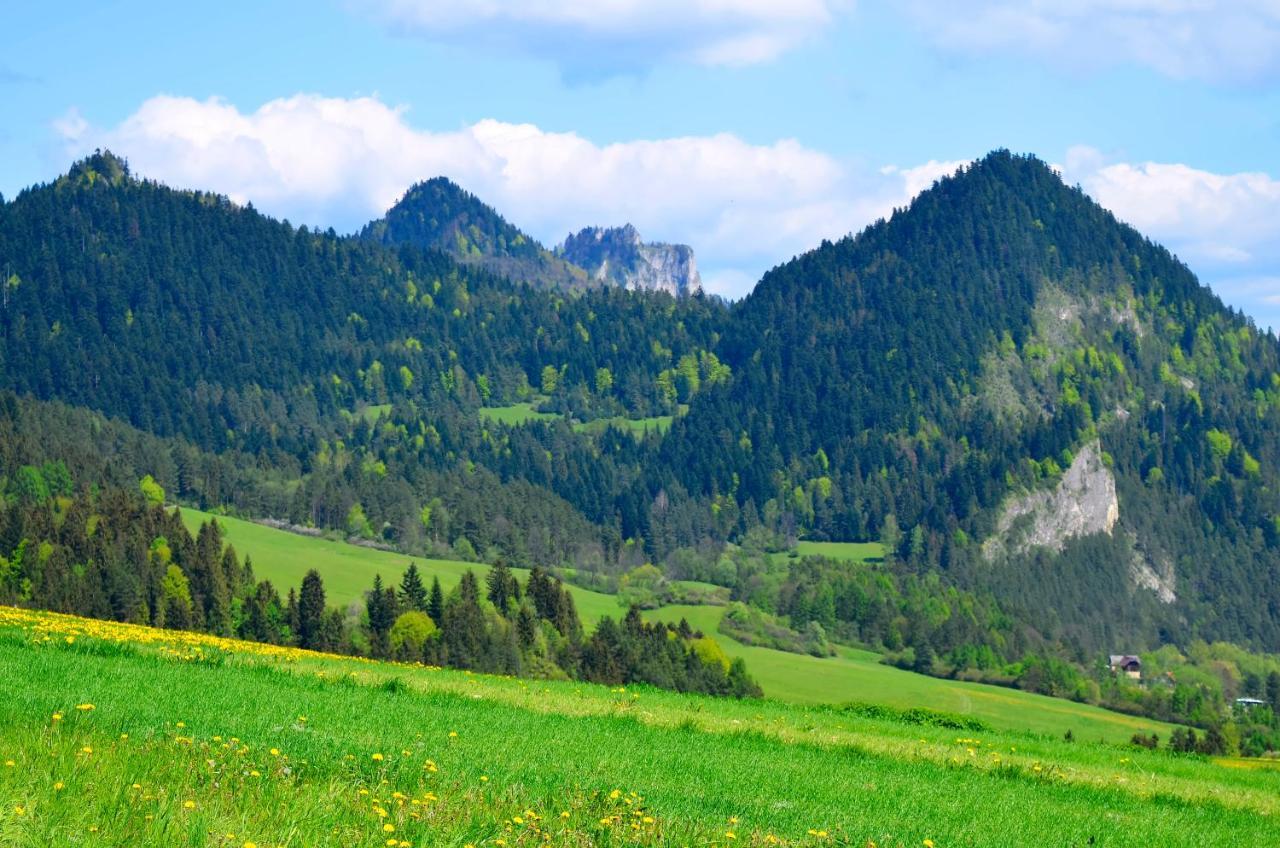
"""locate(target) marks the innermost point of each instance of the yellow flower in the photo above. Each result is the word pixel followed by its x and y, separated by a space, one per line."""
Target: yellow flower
pixel 84 708
pixel 9 763
pixel 928 843
pixel 189 805
pixel 729 834
pixel 137 786
pixel 21 811
pixel 389 827
pixel 57 716
pixel 565 814
pixel 377 758
pixel 275 752
pixel 57 787
pixel 86 749
pixel 250 845
pixel 484 778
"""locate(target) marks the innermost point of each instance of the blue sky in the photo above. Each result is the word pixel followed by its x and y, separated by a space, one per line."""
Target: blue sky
pixel 750 129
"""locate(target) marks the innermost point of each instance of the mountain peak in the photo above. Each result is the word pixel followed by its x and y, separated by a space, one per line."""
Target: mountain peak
pixel 618 256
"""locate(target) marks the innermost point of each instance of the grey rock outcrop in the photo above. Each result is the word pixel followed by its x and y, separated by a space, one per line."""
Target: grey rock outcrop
pixel 1083 503
pixel 617 256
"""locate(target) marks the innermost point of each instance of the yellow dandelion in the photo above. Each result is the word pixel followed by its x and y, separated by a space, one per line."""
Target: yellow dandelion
pixel 188 805
pixel 275 752
pixel 729 834
pixel 484 778
pixel 251 845
pixel 377 758
pixel 57 787
pixel 87 749
pixel 137 786
pixel 124 737
pixel 389 828
pixel 20 810
pixel 453 734
pixel 57 716
pixel 84 708
pixel 9 764
pixel 565 814
pixel 928 843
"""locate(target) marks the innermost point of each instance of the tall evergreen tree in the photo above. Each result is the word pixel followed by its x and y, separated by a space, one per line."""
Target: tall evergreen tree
pixel 311 608
pixel 413 595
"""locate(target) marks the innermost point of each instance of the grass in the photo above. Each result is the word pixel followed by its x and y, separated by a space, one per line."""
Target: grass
pixel 637 426
pixel 195 741
pixel 516 413
pixel 855 675
pixel 348 570
pixel 856 552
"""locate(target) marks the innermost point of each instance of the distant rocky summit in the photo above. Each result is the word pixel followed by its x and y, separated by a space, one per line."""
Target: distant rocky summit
pixel 617 256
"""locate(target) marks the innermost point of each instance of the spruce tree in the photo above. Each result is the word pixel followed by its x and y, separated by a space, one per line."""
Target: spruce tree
pixel 311 607
pixel 413 595
pixel 435 604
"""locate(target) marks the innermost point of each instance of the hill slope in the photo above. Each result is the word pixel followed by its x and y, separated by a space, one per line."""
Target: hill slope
pixel 440 215
pixel 927 379
pixel 229 744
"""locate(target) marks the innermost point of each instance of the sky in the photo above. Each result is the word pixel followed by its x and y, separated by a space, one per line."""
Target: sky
pixel 749 129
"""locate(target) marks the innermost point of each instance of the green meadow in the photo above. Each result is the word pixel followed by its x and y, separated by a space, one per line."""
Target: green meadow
pixel 348 570
pixel 853 675
pixel 120 735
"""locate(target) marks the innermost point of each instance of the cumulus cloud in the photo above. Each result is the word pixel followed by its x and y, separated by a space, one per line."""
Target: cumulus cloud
pixel 600 37
pixel 1215 40
pixel 341 162
pixel 1225 226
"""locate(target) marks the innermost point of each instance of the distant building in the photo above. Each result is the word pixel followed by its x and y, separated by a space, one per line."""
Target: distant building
pixel 1126 664
pixel 1246 704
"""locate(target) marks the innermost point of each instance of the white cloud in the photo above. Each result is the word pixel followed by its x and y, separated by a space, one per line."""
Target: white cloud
pixel 338 162
pixel 1216 40
pixel 590 37
pixel 1214 219
pixel 1225 226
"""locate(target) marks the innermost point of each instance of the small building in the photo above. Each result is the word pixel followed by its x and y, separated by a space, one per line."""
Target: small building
pixel 1127 664
pixel 1246 704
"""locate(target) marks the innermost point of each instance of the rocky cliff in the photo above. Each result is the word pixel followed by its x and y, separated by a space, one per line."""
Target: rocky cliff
pixel 617 256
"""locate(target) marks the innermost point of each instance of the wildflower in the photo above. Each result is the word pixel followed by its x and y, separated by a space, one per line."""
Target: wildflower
pixel 20 810
pixel 188 805
pixel 87 750
pixel 124 737
pixel 453 734
pixel 137 786
pixel 928 843
pixel 57 787
pixel 84 708
pixel 377 758
pixel 9 763
pixel 389 828
pixel 275 752
pixel 250 845
pixel 729 834
pixel 484 778
pixel 565 814
pixel 57 716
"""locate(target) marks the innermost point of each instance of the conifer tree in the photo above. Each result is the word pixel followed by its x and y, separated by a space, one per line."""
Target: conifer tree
pixel 311 607
pixel 413 595
pixel 435 604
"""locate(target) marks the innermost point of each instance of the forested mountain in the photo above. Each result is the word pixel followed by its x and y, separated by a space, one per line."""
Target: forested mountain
pixel 1067 442
pixel 439 215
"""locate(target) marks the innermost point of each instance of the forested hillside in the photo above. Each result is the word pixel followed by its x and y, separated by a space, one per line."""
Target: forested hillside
pixel 1064 440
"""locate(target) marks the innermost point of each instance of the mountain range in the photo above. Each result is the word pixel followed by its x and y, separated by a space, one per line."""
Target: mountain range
pixel 1040 412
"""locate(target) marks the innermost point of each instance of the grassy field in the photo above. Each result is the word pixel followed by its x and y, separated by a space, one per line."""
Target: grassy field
pixel 119 735
pixel 859 552
pixel 855 675
pixel 637 426
pixel 516 413
pixel 348 570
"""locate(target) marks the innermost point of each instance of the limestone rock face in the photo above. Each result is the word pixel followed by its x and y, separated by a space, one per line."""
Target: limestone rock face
pixel 1083 503
pixel 618 256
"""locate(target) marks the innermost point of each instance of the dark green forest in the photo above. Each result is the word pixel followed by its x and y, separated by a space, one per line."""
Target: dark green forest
pixel 907 384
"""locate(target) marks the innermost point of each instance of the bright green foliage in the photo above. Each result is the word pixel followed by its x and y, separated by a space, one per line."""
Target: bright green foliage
pixel 151 490
pixel 410 633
